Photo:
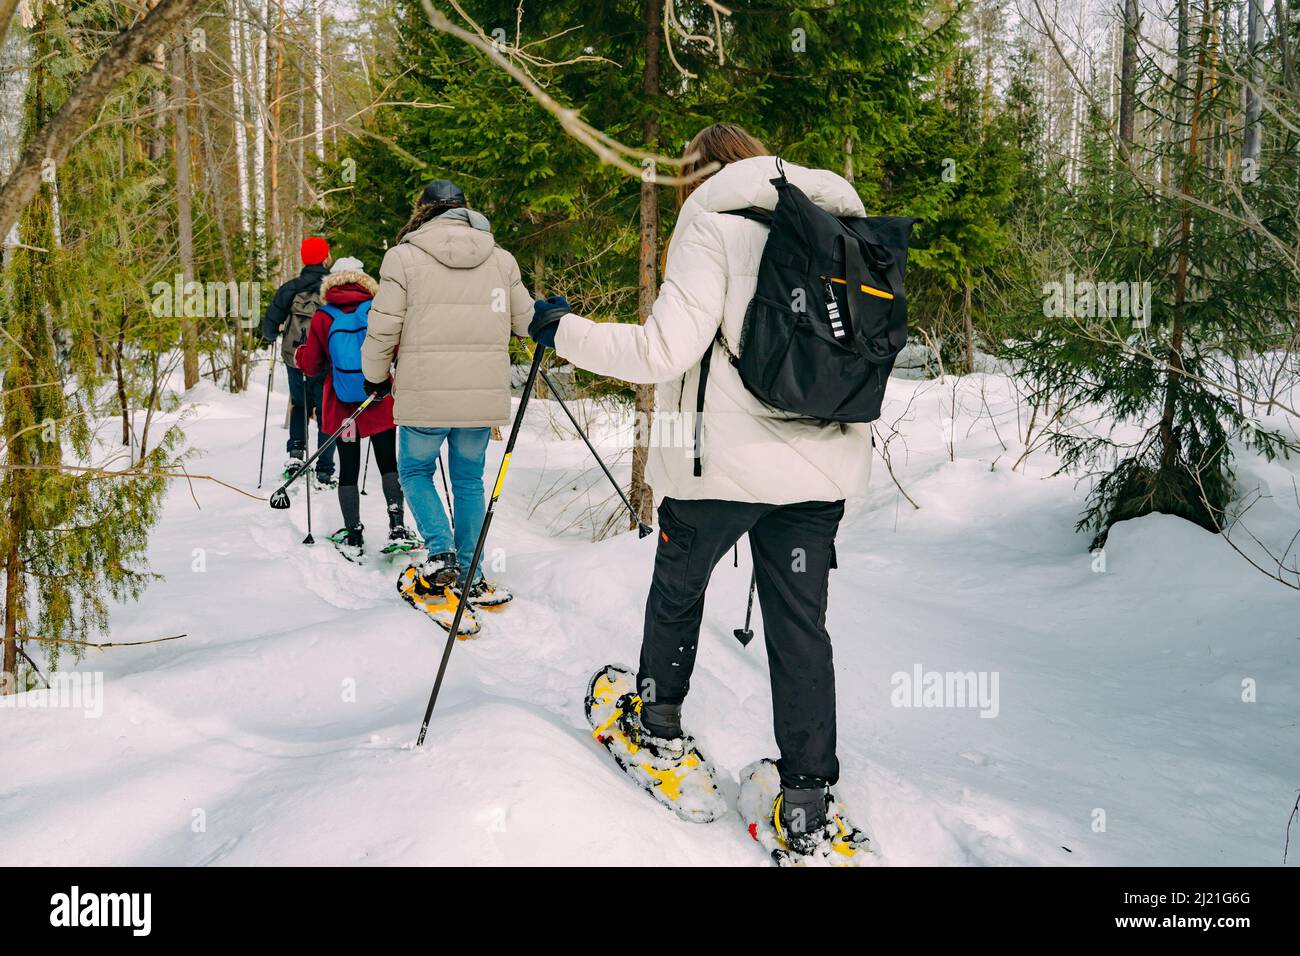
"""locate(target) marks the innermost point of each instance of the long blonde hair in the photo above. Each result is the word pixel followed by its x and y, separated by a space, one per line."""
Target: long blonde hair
pixel 720 143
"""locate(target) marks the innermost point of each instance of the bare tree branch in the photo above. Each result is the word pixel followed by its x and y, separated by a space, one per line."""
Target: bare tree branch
pixel 56 137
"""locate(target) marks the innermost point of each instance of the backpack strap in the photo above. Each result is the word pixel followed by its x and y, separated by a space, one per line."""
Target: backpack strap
pixel 699 407
pixel 753 213
pixel 362 309
pixel 855 273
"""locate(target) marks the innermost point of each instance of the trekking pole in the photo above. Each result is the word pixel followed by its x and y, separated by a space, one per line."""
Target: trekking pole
pixel 280 497
pixel 482 537
pixel 642 529
pixel 744 634
pixel 270 377
pixel 306 430
pixel 366 470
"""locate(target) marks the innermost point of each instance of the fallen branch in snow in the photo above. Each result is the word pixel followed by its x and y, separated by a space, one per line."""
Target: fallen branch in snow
pixel 133 473
pixel 103 644
pixel 1294 810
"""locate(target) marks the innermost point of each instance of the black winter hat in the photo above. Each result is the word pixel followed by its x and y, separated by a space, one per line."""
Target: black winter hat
pixel 442 191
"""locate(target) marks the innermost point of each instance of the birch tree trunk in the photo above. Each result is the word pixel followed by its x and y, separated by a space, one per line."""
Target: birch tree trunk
pixel 1250 146
pixel 240 121
pixel 184 209
pixel 259 139
pixel 215 192
pixel 277 51
pixel 318 27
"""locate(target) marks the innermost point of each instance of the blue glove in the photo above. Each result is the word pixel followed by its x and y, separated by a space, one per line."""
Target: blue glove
pixel 546 319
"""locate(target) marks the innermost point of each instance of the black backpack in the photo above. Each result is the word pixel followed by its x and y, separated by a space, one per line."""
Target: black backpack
pixel 828 316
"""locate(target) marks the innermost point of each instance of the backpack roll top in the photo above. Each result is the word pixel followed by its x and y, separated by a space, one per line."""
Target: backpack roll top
pixel 294 333
pixel 347 333
pixel 829 315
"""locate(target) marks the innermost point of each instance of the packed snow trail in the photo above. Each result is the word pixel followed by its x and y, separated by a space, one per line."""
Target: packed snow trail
pixel 279 729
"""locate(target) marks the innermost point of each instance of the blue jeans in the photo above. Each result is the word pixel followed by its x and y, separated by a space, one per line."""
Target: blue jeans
pixel 417 464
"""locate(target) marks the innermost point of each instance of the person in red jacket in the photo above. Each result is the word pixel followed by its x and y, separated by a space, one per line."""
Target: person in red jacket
pixel 346 288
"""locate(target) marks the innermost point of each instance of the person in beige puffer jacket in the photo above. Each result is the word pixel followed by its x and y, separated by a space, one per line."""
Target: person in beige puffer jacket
pixel 449 300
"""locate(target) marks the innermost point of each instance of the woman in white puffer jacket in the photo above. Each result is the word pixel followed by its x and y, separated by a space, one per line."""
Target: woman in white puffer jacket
pixel 761 471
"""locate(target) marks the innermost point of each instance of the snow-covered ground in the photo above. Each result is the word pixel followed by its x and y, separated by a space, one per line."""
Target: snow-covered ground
pixel 1144 710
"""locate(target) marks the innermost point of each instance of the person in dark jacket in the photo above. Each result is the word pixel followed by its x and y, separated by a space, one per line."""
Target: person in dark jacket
pixel 345 288
pixel 305 392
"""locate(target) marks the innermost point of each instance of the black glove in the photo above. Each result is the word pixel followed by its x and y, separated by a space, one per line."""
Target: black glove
pixel 379 389
pixel 546 319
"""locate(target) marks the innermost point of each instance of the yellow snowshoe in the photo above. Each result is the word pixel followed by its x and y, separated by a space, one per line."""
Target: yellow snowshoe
pixel 838 843
pixel 437 602
pixel 673 771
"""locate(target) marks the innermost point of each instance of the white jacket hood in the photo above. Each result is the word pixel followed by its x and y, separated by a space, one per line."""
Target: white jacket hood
pixel 748 182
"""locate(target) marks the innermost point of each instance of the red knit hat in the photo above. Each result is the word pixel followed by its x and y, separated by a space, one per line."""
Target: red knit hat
pixel 314 251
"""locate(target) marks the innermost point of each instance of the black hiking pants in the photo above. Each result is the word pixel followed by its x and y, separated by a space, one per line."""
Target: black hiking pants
pixel 793 548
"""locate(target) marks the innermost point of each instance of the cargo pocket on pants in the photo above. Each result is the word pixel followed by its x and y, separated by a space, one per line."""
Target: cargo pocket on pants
pixel 673 553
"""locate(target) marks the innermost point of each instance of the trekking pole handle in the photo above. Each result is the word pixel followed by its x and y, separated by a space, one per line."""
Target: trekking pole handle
pixel 302 469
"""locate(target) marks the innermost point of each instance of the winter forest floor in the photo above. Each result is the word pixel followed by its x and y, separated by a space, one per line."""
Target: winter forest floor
pixel 280 729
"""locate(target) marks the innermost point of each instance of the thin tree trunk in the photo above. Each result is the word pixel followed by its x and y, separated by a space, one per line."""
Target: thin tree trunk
pixel 277 50
pixel 299 225
pixel 158 137
pixel 215 191
pixel 1168 442
pixel 150 405
pixel 641 495
pixel 1128 77
pixel 13 592
pixel 184 209
pixel 122 401
pixel 1283 29
pixel 968 327
pixel 237 67
pixel 1250 146
pixel 259 140
pixel 318 28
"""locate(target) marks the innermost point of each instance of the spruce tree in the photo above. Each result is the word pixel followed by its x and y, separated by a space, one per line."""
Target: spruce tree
pixel 72 537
